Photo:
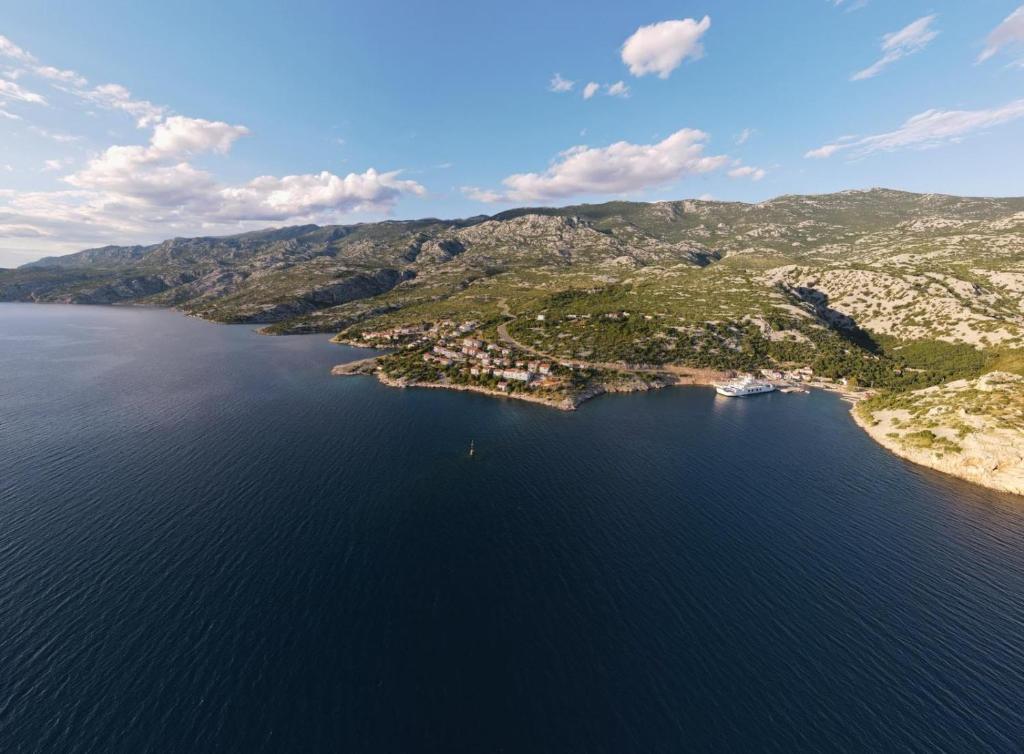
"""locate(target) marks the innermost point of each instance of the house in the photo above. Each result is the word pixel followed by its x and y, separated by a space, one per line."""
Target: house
pixel 520 375
pixel 541 317
pixel 503 386
pixel 448 353
pixel 544 368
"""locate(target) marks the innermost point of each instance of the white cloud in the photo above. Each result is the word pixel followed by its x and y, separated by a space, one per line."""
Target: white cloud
pixel 560 85
pixel 11 91
pixel 58 164
pixel 823 152
pixel 65 77
pixel 660 48
pixel 9 116
pixel 10 50
pixel 618 89
pixel 270 198
pixel 482 195
pixel 744 136
pixel 849 7
pixel 116 97
pixel 60 138
pixel 109 96
pixel 746 171
pixel 1010 32
pixel 180 135
pixel 931 128
pixel 912 38
pixel 8 230
pixel 151 191
pixel 590 89
pixel 615 169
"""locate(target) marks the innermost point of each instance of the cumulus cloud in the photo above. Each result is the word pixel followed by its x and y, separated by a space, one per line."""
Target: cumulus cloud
pixel 153 190
pixel 615 169
pixel 925 130
pixel 747 171
pixel 159 175
pixel 660 48
pixel 912 38
pixel 618 89
pixel 270 198
pixel 1009 33
pixel 560 85
pixel 590 89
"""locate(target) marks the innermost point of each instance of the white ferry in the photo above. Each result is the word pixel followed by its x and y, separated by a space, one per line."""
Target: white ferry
pixel 744 386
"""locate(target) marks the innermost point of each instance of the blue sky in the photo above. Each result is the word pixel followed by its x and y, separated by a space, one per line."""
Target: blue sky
pixel 126 122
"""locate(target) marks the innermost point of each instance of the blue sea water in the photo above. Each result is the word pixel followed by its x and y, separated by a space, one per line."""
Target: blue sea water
pixel 208 544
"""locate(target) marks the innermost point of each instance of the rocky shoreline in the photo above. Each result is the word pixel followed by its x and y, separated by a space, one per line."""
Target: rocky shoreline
pixel 957 442
pixel 570 402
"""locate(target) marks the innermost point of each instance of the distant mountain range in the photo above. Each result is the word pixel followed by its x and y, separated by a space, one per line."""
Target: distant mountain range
pixel 954 263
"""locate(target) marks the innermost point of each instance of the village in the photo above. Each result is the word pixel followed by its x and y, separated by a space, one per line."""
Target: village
pixel 462 357
pixel 455 349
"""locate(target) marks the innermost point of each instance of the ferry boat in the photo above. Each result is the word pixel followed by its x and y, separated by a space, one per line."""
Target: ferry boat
pixel 744 386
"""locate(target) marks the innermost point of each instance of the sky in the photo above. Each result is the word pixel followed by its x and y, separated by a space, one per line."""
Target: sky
pixel 135 121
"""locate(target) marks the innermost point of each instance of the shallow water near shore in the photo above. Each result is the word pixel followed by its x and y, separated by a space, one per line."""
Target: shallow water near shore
pixel 207 543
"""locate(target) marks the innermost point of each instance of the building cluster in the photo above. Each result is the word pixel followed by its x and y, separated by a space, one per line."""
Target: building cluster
pixel 802 374
pixel 417 335
pixel 477 358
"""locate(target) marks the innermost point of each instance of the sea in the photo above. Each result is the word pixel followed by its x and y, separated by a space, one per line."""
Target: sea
pixel 210 544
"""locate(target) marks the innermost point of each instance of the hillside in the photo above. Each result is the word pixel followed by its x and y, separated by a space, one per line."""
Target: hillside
pixel 881 289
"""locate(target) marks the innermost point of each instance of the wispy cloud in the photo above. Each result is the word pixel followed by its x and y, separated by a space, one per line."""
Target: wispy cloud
pixel 12 91
pixel 744 136
pixel 590 89
pixel 560 85
pixel 60 138
pixel 1009 33
pixel 662 47
pixel 849 6
pixel 748 171
pixel 931 128
pixel 618 168
pixel 912 38
pixel 618 89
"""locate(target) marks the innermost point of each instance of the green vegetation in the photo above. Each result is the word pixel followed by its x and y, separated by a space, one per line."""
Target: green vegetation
pixel 886 290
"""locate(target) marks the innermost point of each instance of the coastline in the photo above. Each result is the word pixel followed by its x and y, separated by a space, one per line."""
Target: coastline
pixel 985 473
pixel 635 383
pixel 989 457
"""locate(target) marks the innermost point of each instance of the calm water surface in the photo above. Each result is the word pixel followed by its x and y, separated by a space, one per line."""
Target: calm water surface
pixel 207 544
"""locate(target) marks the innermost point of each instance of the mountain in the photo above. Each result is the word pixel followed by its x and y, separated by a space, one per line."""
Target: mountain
pixel 908 265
